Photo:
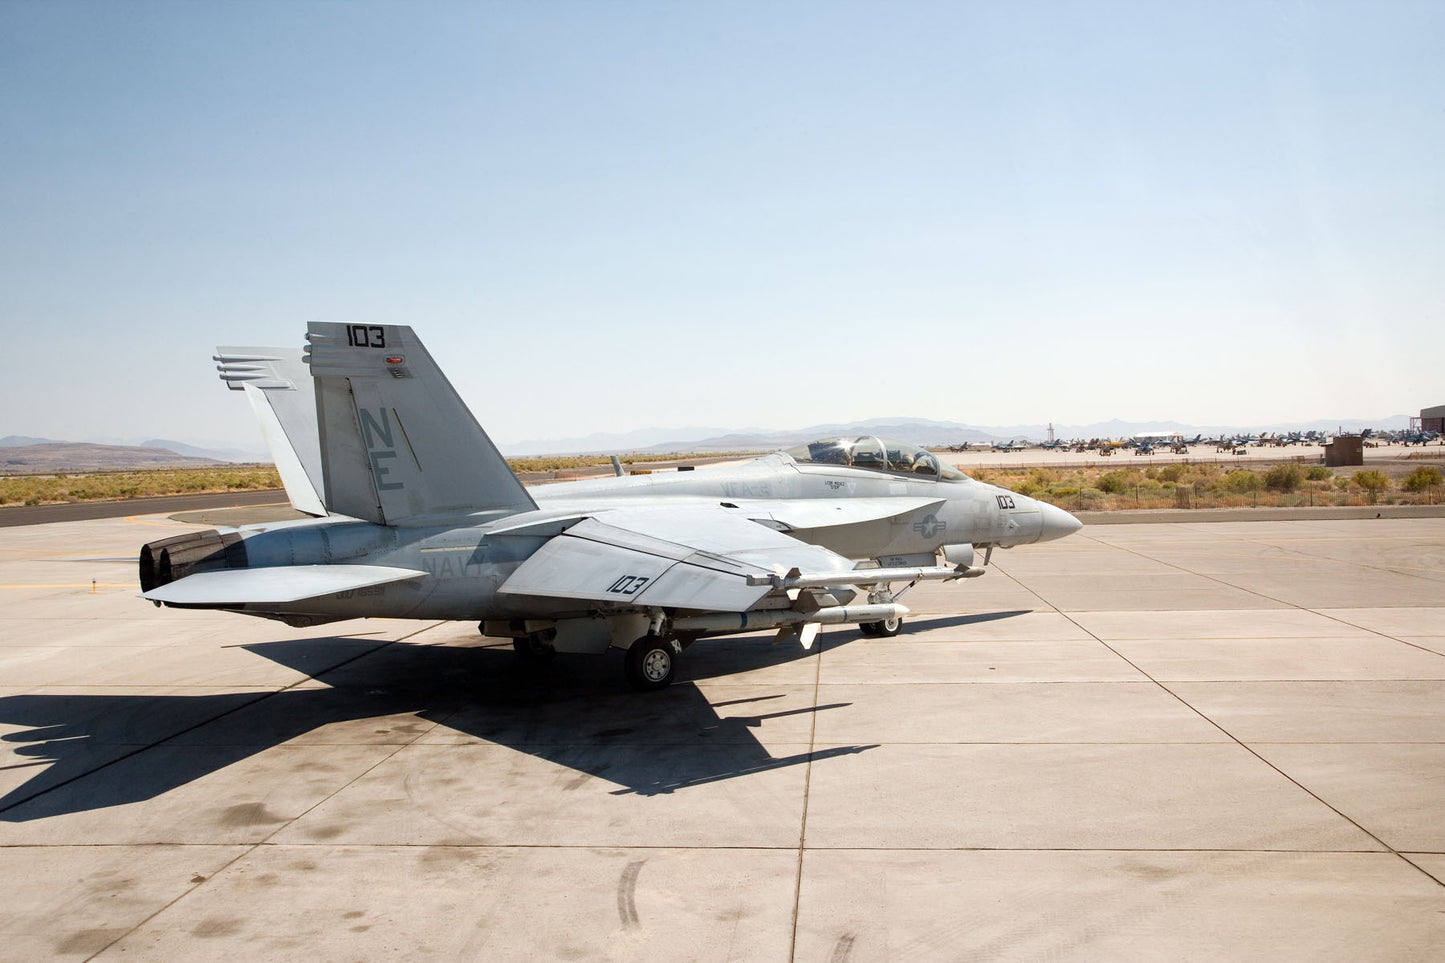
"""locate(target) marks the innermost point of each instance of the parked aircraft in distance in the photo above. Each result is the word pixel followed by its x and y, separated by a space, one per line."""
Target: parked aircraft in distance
pixel 1408 437
pixel 424 519
pixel 1236 444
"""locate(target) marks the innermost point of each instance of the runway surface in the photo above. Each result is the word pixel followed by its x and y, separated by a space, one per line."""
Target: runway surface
pixel 1188 741
pixel 161 504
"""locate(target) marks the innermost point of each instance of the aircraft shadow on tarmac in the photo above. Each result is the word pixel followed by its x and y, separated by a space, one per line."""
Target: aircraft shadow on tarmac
pixel 918 623
pixel 108 750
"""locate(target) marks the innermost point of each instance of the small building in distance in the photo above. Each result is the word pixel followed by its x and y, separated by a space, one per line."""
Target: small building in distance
pixel 1432 419
pixel 1345 450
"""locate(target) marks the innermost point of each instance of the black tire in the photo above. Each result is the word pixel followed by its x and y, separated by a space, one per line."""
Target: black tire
pixel 533 650
pixel 888 628
pixel 868 628
pixel 651 663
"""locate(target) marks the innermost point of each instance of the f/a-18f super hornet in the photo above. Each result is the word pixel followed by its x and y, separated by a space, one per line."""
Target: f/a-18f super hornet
pixel 419 516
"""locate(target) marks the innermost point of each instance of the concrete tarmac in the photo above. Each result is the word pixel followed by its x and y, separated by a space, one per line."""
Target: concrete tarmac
pixel 1187 741
pixel 84 511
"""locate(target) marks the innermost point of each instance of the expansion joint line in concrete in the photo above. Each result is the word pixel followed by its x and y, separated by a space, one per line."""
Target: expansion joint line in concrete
pixel 1231 736
pixel 1407 571
pixel 1269 598
pixel 807 786
pixel 221 715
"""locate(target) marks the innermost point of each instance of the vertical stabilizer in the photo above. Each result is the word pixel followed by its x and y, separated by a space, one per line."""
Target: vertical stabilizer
pixel 397 442
pixel 278 385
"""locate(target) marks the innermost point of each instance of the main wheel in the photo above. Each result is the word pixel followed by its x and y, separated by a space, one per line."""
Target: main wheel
pixel 868 628
pixel 533 650
pixel 651 663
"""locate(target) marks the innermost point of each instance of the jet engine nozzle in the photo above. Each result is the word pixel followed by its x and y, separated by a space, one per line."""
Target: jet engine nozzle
pixel 174 558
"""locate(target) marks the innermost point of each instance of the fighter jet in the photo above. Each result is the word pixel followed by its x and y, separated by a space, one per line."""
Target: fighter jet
pixel 424 519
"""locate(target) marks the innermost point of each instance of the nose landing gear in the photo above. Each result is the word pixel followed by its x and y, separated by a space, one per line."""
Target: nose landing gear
pixel 886 629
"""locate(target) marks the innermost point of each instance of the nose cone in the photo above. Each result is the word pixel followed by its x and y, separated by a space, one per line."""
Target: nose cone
pixel 1056 522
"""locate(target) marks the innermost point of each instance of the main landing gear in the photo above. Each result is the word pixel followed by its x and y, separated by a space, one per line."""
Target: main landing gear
pixel 882 594
pixel 535 649
pixel 651 663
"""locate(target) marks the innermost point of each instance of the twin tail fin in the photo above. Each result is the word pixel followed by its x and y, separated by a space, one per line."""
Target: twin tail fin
pixel 398 445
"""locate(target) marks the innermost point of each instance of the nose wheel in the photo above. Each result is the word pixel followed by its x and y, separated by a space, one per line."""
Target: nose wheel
pixel 651 663
pixel 885 629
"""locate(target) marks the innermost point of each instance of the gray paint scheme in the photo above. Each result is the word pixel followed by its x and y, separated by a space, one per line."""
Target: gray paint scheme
pixel 398 444
pixel 278 385
pixel 428 521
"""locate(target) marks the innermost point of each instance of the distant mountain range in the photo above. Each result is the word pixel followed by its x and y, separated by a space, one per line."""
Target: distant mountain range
pixel 16 441
pixel 22 453
pixel 196 451
pixel 64 456
pixel 917 431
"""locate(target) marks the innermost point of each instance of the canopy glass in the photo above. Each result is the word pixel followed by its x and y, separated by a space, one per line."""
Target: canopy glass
pixel 876 454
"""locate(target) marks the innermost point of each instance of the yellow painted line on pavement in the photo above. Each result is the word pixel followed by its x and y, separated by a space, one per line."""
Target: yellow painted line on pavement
pixel 74 585
pixel 168 523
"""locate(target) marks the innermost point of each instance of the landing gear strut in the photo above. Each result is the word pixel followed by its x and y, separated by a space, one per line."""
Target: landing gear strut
pixel 534 649
pixel 651 663
pixel 879 595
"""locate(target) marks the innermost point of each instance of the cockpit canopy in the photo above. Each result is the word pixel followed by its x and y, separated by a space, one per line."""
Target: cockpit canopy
pixel 876 454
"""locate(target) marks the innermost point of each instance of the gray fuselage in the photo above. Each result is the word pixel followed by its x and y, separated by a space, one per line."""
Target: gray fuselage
pixel 467 559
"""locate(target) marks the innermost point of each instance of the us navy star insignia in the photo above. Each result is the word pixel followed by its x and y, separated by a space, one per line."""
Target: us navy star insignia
pixel 929 526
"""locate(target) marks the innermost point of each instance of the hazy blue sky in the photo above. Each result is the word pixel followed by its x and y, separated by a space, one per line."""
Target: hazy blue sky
pixel 603 216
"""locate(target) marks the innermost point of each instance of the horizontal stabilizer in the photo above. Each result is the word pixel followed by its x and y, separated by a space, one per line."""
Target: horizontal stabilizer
pixel 285 583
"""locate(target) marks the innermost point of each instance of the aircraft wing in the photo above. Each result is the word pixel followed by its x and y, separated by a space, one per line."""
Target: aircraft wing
pixel 685 557
pixel 282 583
